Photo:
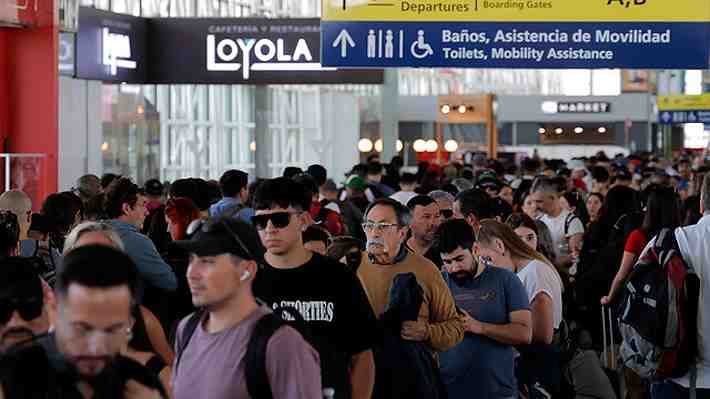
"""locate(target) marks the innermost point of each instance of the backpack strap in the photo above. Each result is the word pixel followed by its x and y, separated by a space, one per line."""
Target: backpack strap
pixel 257 378
pixel 187 332
pixel 568 221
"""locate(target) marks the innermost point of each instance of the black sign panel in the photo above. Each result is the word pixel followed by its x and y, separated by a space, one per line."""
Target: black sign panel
pixel 111 47
pixel 243 51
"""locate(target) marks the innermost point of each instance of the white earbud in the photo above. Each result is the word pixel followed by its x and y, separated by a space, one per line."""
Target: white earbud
pixel 245 275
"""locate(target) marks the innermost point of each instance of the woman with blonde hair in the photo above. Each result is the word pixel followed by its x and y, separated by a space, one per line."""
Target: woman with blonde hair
pixel 539 361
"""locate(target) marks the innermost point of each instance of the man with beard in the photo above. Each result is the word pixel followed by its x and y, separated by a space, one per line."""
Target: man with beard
pixel 81 358
pixel 496 317
pixel 24 310
pixel 426 219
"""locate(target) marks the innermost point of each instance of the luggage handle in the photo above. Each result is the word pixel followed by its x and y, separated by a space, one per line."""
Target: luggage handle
pixel 609 362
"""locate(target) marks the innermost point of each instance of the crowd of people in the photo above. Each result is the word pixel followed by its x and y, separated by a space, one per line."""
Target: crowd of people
pixel 480 280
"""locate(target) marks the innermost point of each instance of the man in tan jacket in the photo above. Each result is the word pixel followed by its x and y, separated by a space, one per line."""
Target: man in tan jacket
pixel 385 225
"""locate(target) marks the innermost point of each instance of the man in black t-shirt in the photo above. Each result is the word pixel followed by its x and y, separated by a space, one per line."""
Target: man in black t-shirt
pixel 96 288
pixel 328 295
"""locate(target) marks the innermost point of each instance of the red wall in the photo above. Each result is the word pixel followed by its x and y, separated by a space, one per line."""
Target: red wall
pixel 29 108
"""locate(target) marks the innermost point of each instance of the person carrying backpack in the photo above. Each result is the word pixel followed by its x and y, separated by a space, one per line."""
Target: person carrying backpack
pixel 235 347
pixel 665 336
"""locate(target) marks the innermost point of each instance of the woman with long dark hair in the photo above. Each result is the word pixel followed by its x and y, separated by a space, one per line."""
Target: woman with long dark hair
pixel 530 231
pixel 662 211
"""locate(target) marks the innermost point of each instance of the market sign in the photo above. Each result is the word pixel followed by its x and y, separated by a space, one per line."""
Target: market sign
pixel 576 107
pixel 640 34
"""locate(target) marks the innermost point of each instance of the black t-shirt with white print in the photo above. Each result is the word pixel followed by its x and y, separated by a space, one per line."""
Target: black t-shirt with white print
pixel 335 307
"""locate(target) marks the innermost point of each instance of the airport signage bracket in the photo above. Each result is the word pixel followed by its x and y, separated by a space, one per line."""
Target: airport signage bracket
pixel 635 34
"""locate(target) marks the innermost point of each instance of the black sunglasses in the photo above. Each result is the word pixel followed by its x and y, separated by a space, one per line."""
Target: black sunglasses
pixel 447 213
pixel 278 219
pixel 28 308
pixel 209 227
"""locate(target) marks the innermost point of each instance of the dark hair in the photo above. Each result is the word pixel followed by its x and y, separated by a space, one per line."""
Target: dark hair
pixel 308 183
pixel 315 233
pixel 94 208
pixel 475 202
pixel 98 266
pixel 401 211
pixel 281 192
pixel 374 168
pixel 60 210
pixel 453 234
pixel 291 171
pixel 520 219
pixel 359 169
pixel 121 191
pixel 420 200
pixel 576 200
pixel 408 178
pixel 530 165
pixel 500 208
pixel 232 182
pixel 214 191
pixel 600 174
pixel 619 201
pixel 319 173
pixel 18 276
pixel 107 179
pixel 662 211
pixel 9 233
pixel 195 189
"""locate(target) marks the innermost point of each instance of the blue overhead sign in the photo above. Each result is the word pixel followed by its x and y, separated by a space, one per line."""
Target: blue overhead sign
pixel 515 45
pixel 679 117
pixel 630 34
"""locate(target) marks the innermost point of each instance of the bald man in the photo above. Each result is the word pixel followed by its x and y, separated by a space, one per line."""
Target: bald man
pixel 20 204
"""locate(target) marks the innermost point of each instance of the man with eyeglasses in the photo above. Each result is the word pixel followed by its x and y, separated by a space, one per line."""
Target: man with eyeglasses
pixel 24 311
pixel 328 295
pixel 426 219
pixel 211 344
pixel 496 316
pixel 81 358
pixel 438 325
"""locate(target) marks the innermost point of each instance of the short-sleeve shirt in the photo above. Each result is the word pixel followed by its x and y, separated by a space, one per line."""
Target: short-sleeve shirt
pixel 539 277
pixel 212 365
pixel 636 242
pixel 564 226
pixel 335 307
pixel 479 364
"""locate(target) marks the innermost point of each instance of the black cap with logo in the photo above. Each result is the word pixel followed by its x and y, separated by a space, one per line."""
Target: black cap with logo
pixel 223 236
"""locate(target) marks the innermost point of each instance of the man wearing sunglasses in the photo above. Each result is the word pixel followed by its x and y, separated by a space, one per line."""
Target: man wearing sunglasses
pixel 24 313
pixel 327 294
pixel 81 359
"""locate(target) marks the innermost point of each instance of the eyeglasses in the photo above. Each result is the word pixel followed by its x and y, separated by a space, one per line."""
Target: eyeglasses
pixel 447 213
pixel 379 227
pixel 278 219
pixel 209 227
pixel 28 308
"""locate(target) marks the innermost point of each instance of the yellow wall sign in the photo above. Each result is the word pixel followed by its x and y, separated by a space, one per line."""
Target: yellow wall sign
pixel 518 10
pixel 684 103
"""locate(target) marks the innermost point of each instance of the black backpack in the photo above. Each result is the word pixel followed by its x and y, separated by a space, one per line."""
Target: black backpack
pixel 257 379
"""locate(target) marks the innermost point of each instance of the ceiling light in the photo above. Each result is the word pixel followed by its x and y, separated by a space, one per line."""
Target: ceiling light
pixel 602 130
pixel 419 145
pixel 445 109
pixel 252 146
pixel 541 130
pixel 364 145
pixel 462 109
pixel 578 130
pixel 378 145
pixel 432 146
pixel 558 130
pixel 451 146
pixel 400 145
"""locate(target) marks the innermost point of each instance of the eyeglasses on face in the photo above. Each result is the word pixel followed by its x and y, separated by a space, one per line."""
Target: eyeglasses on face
pixel 28 308
pixel 378 227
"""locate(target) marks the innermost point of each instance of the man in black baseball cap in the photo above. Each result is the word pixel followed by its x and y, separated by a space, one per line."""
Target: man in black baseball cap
pixel 224 258
pixel 24 311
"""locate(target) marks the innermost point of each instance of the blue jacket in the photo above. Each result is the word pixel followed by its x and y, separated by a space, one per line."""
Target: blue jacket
pixel 142 251
pixel 224 206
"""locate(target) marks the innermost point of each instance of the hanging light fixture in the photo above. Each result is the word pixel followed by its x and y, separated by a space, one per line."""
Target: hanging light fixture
pixel 364 145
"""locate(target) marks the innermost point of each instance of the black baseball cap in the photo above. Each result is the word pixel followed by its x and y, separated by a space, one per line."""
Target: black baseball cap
pixel 219 236
pixel 153 187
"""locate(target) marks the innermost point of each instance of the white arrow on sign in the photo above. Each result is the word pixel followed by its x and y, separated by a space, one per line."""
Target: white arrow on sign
pixel 344 40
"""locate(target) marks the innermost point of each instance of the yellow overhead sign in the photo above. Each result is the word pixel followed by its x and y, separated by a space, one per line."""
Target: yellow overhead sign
pixel 684 103
pixel 517 10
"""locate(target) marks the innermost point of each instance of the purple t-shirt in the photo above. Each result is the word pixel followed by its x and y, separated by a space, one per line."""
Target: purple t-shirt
pixel 212 365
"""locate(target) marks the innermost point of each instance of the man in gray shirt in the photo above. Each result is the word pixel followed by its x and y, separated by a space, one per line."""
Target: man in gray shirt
pixel 223 263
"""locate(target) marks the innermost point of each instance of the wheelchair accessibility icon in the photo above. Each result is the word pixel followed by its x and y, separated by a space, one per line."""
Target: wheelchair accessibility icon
pixel 421 49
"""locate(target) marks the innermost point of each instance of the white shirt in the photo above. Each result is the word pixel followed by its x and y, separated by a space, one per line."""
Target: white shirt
pixel 557 228
pixel 539 277
pixel 695 248
pixel 403 196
